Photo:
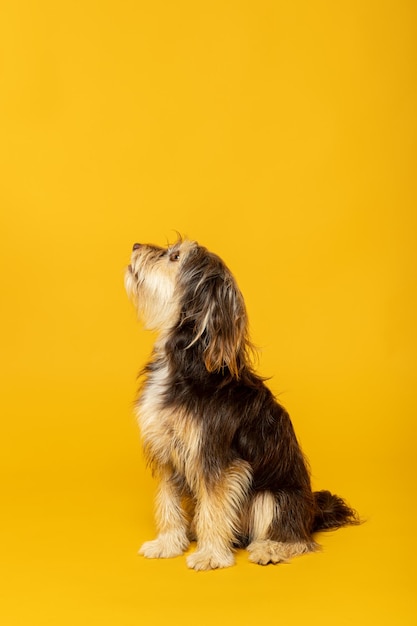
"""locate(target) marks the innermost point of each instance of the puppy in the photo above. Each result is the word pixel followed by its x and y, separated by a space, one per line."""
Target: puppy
pixel 231 472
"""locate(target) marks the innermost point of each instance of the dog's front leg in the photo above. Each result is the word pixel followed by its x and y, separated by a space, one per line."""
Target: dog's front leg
pixel 217 516
pixel 171 520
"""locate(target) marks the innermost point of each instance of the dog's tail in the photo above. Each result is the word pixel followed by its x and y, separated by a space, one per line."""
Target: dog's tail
pixel 332 512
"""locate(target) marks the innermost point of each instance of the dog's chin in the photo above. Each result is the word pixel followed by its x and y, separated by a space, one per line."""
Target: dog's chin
pixel 157 315
pixel 130 283
pixel 159 319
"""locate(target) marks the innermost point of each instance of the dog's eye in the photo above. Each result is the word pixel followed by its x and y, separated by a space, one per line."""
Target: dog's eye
pixel 174 256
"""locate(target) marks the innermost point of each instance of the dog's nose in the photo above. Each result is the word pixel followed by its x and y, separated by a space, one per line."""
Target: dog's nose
pixel 136 246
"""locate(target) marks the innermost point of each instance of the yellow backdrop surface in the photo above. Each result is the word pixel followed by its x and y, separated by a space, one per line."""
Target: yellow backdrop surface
pixel 282 135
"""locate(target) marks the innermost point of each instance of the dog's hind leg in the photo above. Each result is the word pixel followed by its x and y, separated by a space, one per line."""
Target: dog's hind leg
pixel 172 522
pixel 275 533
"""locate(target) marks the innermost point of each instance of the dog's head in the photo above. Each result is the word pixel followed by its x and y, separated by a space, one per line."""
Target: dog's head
pixel 185 290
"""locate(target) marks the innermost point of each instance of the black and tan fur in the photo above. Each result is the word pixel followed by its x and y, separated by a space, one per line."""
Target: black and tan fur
pixel 231 472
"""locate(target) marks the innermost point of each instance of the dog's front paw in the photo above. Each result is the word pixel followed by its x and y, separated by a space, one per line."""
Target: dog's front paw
pixel 205 560
pixel 165 546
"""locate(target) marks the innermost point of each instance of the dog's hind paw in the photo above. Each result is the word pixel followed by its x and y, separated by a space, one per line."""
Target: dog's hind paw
pixel 205 560
pixel 164 547
pixel 267 551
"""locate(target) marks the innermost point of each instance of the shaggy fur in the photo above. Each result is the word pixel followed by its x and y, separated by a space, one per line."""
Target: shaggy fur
pixel 231 472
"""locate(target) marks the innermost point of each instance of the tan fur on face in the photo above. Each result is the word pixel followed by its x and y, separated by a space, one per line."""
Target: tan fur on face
pixel 150 282
pixel 158 285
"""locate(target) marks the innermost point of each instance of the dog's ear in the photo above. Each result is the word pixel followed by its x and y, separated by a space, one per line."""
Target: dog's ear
pixel 216 309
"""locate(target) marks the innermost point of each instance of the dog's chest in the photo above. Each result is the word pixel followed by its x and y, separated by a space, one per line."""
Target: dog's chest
pixel 169 434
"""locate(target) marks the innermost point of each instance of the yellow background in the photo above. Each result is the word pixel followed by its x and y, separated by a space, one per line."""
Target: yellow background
pixel 282 135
